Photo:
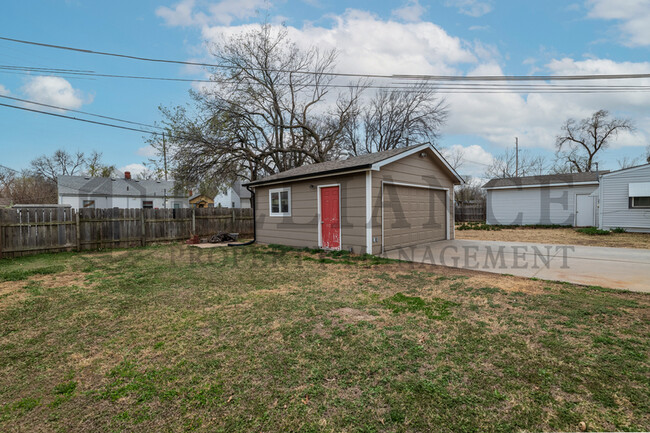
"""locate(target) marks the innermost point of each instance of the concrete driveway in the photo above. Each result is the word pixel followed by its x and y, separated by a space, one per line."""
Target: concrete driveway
pixel 618 268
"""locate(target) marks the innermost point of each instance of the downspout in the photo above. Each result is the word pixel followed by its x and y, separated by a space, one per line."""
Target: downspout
pixel 251 242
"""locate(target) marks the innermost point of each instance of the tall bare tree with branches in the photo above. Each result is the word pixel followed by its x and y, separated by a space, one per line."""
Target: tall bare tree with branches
pixel 580 141
pixel 505 165
pixel 270 107
pixel 397 118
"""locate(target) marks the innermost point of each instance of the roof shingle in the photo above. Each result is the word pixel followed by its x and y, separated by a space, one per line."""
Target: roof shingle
pixel 546 179
pixel 355 162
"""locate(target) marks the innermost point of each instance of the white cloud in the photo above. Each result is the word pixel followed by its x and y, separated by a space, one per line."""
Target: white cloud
pixel 188 13
pixel 633 17
pixel 4 90
pixel 367 44
pixel 54 91
pixel 180 15
pixel 473 8
pixel 412 11
pixel 475 159
pixel 135 169
pixel 146 151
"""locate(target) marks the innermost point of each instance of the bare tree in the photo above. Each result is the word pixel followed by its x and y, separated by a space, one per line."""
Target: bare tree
pixel 505 165
pixel 397 118
pixel 471 190
pixel 61 163
pixel 580 141
pixel 96 168
pixel 269 108
pixel 455 156
pixel 627 162
pixel 26 188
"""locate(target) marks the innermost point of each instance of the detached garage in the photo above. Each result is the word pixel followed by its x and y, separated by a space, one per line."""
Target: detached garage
pixel 564 199
pixel 365 204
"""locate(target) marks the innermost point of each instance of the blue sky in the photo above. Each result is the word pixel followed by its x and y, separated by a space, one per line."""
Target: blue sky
pixel 447 36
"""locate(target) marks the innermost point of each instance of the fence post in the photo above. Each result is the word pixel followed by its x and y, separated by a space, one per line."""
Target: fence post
pixel 193 222
pixel 143 239
pixel 77 228
pixel 233 220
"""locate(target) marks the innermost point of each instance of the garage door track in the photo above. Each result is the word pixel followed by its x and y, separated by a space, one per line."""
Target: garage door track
pixel 618 268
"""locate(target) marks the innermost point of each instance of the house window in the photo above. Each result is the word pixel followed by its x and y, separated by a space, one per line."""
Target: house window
pixel 177 205
pixel 89 204
pixel 640 202
pixel 147 204
pixel 280 202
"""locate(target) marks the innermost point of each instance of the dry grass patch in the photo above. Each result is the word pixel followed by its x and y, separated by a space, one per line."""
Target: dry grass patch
pixel 562 236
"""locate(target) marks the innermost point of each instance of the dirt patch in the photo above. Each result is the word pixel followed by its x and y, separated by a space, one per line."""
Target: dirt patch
pixel 562 236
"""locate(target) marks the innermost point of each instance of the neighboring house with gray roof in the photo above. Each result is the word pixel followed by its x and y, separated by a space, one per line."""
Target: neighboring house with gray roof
pixel 237 196
pixel 605 199
pixel 112 192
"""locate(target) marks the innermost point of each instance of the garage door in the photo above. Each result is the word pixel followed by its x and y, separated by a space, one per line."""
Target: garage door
pixel 413 216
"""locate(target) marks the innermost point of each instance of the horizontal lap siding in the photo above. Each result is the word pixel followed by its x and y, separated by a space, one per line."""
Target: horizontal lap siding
pixel 615 201
pixel 301 228
pixel 411 169
pixel 418 217
pixel 550 205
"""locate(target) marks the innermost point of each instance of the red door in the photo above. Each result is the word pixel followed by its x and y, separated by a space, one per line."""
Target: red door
pixel 330 221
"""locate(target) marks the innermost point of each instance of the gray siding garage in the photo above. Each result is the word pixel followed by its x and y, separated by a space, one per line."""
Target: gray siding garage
pixel 365 204
pixel 564 199
pixel 625 199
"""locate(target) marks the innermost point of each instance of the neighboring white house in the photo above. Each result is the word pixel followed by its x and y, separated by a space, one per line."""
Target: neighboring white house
pixel 625 199
pixel 562 199
pixel 606 200
pixel 112 192
pixel 236 196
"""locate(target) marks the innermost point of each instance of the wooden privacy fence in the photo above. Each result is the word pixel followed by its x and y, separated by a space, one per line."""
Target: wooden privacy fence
pixel 25 231
pixel 470 211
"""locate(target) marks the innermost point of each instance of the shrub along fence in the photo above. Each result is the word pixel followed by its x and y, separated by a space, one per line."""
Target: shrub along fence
pixel 34 230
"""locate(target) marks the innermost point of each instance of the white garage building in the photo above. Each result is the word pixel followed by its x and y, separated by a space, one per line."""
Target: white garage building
pixel 606 200
pixel 562 199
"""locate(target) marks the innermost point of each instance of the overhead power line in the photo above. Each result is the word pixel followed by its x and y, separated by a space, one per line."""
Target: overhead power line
pixel 63 116
pixel 445 87
pixel 80 112
pixel 420 77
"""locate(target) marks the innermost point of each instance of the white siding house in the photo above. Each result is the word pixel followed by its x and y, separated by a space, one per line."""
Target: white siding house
pixel 237 196
pixel 547 199
pixel 625 199
pixel 110 192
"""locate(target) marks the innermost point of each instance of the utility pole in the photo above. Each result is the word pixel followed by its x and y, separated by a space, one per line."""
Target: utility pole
pixel 516 156
pixel 164 146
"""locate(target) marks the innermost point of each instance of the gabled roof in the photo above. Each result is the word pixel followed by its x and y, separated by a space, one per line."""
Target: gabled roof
pixel 82 185
pixel 544 180
pixel 241 190
pixel 372 161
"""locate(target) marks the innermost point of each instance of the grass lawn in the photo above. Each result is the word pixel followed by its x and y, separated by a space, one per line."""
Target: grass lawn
pixel 273 340
pixel 561 236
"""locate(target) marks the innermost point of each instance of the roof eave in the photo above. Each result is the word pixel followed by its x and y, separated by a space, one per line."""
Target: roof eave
pixel 345 170
pixel 542 185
